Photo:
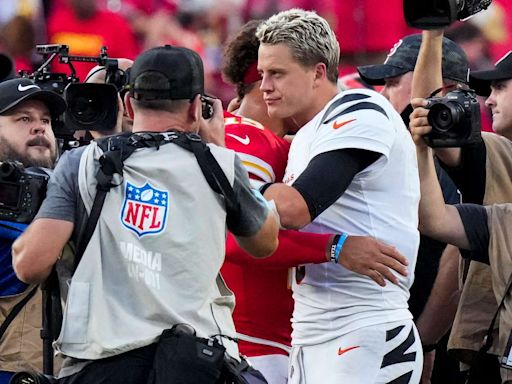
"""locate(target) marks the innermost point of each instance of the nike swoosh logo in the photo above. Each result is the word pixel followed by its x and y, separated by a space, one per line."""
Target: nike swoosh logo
pixel 342 351
pixel 244 140
pixel 23 88
pixel 337 125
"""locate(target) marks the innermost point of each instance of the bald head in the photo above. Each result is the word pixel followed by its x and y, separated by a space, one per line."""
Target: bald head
pixel 97 74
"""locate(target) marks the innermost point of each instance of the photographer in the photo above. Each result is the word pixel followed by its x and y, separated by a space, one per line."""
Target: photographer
pixel 434 294
pixel 482 172
pixel 482 229
pixel 26 136
pixel 153 260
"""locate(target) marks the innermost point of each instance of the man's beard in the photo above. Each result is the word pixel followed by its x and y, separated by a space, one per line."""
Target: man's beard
pixel 7 152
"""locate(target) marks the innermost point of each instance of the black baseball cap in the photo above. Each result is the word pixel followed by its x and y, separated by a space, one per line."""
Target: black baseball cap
pixel 480 81
pixel 402 59
pixel 179 70
pixel 14 91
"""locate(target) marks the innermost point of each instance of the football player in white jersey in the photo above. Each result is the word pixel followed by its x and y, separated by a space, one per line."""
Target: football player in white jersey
pixel 351 168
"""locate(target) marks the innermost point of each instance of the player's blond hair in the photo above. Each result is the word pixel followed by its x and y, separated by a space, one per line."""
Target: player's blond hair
pixel 308 35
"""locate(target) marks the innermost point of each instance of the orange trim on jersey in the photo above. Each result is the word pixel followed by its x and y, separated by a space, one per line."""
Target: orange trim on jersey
pixel 264 170
pixel 337 125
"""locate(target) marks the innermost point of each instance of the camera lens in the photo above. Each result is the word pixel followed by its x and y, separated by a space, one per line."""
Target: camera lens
pixel 87 110
pixel 91 107
pixel 443 117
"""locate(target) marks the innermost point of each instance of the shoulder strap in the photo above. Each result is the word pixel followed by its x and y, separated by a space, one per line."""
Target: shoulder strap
pixel 111 162
pixel 488 339
pixel 15 310
pixel 211 169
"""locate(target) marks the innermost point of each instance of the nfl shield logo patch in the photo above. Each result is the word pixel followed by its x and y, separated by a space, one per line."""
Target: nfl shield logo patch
pixel 144 209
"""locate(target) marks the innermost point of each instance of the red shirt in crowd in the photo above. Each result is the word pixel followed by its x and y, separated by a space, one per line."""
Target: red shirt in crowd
pixel 86 37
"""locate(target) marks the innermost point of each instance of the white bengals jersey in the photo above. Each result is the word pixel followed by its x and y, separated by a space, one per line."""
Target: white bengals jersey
pixel 381 201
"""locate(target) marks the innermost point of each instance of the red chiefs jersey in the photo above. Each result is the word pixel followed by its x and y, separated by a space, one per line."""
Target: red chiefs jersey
pixel 264 302
pixel 263 154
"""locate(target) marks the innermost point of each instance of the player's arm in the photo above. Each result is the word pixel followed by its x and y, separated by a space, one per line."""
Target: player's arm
pixel 319 186
pixel 360 254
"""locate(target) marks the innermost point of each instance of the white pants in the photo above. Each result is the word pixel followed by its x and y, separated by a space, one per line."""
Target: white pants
pixel 387 353
pixel 273 367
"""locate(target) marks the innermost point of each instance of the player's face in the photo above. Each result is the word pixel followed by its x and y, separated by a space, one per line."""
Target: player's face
pixel 287 86
pixel 398 91
pixel 26 135
pixel 501 108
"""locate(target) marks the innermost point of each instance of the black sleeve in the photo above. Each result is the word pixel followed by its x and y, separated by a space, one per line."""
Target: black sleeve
pixel 469 176
pixel 253 211
pixel 450 193
pixel 329 174
pixel 474 219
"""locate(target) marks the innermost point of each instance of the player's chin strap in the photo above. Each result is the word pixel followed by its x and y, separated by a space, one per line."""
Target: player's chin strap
pixel 116 149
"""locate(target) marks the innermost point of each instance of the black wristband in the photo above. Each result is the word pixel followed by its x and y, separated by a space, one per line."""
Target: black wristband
pixel 429 348
pixel 264 187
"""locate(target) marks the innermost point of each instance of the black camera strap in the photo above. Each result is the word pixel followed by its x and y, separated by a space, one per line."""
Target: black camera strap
pixel 488 339
pixel 15 310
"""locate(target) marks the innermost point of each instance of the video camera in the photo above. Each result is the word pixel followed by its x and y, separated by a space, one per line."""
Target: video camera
pixel 21 191
pixel 455 119
pixel 433 14
pixel 90 106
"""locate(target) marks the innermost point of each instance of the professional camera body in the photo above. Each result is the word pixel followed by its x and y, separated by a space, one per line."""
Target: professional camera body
pixel 90 106
pixel 21 191
pixel 455 119
pixel 207 107
pixel 433 14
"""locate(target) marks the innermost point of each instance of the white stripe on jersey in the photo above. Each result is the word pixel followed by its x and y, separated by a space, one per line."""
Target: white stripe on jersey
pixel 258 167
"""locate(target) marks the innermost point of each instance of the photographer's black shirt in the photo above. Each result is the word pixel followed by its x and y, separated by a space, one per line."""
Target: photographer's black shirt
pixel 470 175
pixel 474 219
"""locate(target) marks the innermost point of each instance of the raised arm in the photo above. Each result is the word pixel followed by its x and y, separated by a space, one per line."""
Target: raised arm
pixel 437 219
pixel 428 77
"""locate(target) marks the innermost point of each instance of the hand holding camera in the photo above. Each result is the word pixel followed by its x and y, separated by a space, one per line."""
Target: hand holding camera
pixel 211 127
pixel 449 121
pixel 454 118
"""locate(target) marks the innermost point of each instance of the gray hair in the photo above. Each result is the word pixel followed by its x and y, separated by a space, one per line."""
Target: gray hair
pixel 308 35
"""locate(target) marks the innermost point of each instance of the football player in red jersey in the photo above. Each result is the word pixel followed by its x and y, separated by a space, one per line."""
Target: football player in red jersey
pixel 264 301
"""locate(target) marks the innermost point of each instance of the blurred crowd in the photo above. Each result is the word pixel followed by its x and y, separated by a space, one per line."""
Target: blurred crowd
pixel 127 27
pixel 369 33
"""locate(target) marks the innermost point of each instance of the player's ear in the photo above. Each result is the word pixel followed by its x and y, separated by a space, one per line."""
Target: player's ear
pixel 320 72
